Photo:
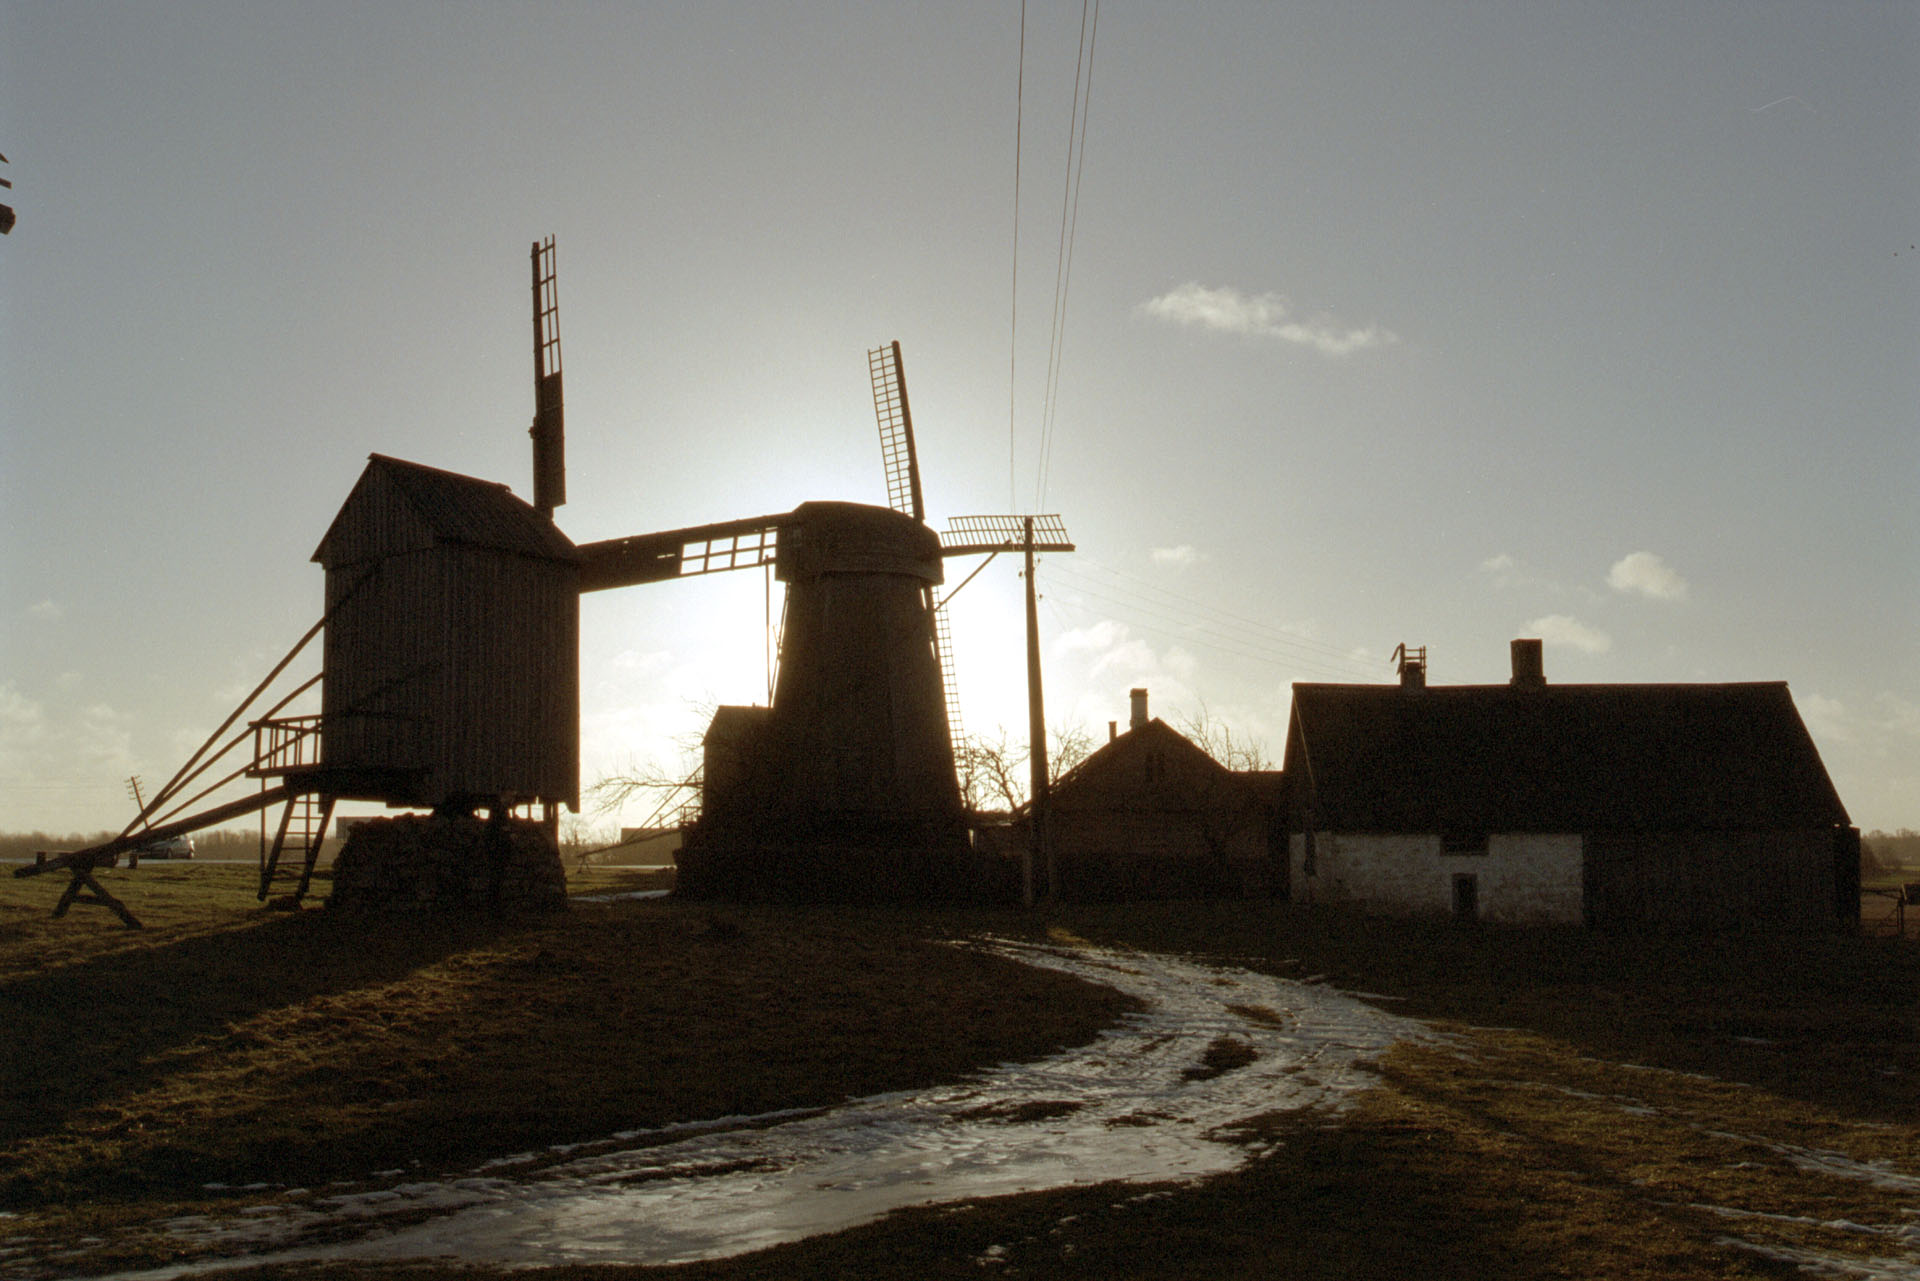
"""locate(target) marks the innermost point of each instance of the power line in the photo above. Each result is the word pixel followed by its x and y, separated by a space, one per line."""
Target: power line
pixel 1013 319
pixel 1204 624
pixel 1135 584
pixel 1178 631
pixel 1069 223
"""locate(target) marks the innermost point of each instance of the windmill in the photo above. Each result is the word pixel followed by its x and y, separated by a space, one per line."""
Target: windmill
pixel 844 786
pixel 450 678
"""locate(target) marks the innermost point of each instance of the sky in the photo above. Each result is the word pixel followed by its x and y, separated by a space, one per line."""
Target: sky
pixel 1383 323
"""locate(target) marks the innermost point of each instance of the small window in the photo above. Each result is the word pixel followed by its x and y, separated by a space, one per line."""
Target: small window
pixel 1463 842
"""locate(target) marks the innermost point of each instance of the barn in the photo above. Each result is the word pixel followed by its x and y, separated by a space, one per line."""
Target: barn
pixel 1151 815
pixel 452 642
pixel 1669 807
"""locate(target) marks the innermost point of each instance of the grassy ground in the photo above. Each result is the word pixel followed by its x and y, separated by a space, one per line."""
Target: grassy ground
pixel 1599 1106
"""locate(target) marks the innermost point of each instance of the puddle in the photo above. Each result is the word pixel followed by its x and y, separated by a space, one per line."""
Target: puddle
pixel 1150 1100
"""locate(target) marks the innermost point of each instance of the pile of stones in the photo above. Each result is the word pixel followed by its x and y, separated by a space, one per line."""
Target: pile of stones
pixel 443 863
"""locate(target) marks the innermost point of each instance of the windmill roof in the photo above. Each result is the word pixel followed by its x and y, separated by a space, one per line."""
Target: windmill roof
pixel 1556 758
pixel 399 506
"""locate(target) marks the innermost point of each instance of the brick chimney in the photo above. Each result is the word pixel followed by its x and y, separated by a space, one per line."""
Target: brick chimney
pixel 1529 667
pixel 1139 719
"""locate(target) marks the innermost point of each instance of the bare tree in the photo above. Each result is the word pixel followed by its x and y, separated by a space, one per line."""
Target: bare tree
pixel 665 790
pixel 1071 745
pixel 1216 738
pixel 646 783
pixel 993 770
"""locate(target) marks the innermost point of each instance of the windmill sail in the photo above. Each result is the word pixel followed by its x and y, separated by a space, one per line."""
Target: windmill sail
pixel 549 405
pixel 896 431
pixel 902 463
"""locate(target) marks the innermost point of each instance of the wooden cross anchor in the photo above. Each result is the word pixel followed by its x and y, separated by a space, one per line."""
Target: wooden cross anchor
pixel 82 888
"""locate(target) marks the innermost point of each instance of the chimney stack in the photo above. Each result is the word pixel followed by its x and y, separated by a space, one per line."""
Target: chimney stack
pixel 1113 730
pixel 1139 698
pixel 1529 667
pixel 1413 666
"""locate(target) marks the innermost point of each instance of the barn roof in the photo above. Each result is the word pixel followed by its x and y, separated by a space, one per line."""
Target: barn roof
pixel 1480 758
pixel 398 506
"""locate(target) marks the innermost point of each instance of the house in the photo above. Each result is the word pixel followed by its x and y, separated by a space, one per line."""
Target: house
pixel 452 642
pixel 1618 806
pixel 1151 815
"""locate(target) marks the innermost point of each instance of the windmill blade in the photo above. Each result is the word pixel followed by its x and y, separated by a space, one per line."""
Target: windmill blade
pixel 549 429
pixel 949 680
pixel 680 553
pixel 973 535
pixel 896 431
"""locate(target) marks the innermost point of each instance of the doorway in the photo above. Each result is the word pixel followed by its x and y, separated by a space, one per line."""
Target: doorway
pixel 1466 896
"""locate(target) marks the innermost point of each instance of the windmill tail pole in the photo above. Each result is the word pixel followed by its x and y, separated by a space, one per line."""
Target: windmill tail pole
pixel 87 859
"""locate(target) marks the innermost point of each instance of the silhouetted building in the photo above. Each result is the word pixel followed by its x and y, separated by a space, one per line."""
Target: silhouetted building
pixel 1695 806
pixel 1150 815
pixel 452 641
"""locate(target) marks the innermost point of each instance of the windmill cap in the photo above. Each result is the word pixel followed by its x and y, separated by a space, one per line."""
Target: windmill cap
pixel 856 538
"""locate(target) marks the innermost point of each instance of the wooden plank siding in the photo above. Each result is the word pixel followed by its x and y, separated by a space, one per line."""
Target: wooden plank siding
pixel 456 657
pixel 1711 881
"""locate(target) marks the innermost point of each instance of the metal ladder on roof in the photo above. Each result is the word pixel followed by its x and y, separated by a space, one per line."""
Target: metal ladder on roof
pixel 303 828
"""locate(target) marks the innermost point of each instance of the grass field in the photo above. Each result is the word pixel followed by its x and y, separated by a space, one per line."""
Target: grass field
pixel 1598 1106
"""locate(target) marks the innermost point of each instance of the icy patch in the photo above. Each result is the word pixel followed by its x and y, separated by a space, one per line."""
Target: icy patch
pixel 1822 1263
pixel 619 897
pixel 1837 1165
pixel 1128 1107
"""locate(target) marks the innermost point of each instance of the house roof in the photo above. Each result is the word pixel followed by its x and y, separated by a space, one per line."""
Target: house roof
pixel 1478 758
pixel 1156 767
pixel 398 506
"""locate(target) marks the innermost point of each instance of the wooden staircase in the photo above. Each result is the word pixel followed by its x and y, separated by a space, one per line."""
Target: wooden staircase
pixel 303 826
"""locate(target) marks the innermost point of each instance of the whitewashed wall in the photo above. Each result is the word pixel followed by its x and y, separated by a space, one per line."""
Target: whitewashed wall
pixel 1524 877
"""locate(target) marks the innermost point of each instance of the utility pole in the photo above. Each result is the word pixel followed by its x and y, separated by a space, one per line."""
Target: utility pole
pixel 1041 842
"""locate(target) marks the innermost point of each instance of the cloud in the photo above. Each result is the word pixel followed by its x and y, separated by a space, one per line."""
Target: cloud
pixel 1561 629
pixel 1227 310
pixel 1503 569
pixel 1181 556
pixel 1899 716
pixel 1645 574
pixel 23 725
pixel 1109 656
pixel 1826 718
pixel 46 611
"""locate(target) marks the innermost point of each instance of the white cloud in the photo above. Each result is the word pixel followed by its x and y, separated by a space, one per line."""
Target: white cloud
pixel 1107 659
pixel 1899 716
pixel 1227 310
pixel 1503 569
pixel 1180 557
pixel 1826 718
pixel 46 611
pixel 1562 629
pixel 23 725
pixel 1647 575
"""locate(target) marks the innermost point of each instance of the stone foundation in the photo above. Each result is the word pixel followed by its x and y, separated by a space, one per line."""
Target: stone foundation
pixel 437 864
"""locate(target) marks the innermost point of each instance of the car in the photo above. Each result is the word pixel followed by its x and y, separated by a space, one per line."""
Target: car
pixel 171 847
